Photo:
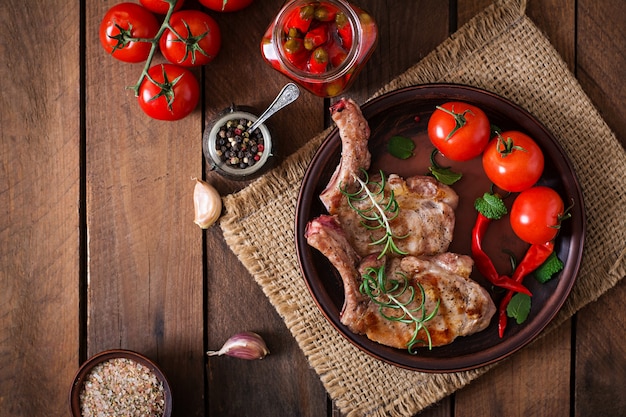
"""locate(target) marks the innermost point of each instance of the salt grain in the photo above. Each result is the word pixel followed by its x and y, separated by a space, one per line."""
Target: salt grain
pixel 122 387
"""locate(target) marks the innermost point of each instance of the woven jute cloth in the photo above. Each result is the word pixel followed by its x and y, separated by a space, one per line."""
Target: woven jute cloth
pixel 502 51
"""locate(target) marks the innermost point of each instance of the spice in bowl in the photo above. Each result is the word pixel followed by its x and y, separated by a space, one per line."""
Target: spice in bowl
pixel 236 146
pixel 232 149
pixel 122 387
pixel 120 383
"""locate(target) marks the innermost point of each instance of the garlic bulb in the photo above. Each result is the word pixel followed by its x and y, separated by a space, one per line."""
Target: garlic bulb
pixel 244 345
pixel 207 203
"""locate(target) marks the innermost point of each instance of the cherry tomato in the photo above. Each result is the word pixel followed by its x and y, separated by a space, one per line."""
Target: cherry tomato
pixel 536 215
pixel 513 161
pixel 200 39
pixel 160 6
pixel 169 93
pixel 124 23
pixel 226 5
pixel 460 131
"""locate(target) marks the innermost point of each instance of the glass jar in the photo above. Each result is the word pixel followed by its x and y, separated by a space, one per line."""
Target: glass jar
pixel 322 45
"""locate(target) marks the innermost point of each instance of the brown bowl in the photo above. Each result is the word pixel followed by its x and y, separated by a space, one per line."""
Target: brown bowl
pixel 84 373
pixel 406 112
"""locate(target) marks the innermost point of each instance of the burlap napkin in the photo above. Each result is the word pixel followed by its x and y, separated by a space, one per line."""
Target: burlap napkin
pixel 500 50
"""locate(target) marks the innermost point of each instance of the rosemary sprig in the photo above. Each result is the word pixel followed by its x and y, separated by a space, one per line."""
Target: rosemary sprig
pixel 387 293
pixel 377 209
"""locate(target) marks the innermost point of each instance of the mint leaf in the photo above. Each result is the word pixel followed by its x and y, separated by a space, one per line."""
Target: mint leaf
pixel 548 269
pixel 491 206
pixel 519 307
pixel 401 147
pixel 444 175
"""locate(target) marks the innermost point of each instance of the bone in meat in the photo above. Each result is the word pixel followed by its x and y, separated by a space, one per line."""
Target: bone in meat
pixel 354 132
pixel 465 307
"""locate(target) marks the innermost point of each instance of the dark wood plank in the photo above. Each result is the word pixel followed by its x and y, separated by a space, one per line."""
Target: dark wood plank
pixel 601 356
pixel 145 252
pixel 600 59
pixel 467 9
pixel 283 383
pixel 601 68
pixel 39 200
pixel 533 382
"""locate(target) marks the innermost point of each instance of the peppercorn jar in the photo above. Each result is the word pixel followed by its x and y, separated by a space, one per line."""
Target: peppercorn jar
pixel 234 151
pixel 321 45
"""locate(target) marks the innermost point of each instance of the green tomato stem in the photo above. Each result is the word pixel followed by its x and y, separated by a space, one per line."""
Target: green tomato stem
pixel 155 42
pixel 459 119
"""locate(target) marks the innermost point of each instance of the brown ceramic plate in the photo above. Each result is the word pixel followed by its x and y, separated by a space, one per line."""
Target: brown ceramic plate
pixel 406 112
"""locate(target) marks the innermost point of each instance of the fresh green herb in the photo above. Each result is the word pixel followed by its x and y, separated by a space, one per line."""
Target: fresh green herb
pixel 387 293
pixel 519 307
pixel 377 211
pixel 443 174
pixel 401 147
pixel 548 269
pixel 491 206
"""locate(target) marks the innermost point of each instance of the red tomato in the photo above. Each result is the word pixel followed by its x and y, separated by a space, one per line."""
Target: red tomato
pixel 122 25
pixel 513 161
pixel 459 130
pixel 160 6
pixel 536 215
pixel 200 39
pixel 226 5
pixel 169 93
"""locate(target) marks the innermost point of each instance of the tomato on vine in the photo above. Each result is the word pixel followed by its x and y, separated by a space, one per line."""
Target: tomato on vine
pixel 193 38
pixel 160 6
pixel 460 131
pixel 513 161
pixel 226 5
pixel 536 215
pixel 126 30
pixel 168 92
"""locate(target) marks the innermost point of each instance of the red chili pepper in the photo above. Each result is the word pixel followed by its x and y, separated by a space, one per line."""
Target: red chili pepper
pixel 483 262
pixel 318 62
pixel 300 19
pixel 534 257
pixel 316 37
pixel 325 12
pixel 344 30
pixel 295 52
pixel 336 54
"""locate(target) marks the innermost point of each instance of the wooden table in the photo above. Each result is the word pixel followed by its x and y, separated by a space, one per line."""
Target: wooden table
pixel 99 250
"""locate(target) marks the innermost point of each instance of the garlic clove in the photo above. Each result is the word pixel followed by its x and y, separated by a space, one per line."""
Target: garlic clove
pixel 244 345
pixel 207 204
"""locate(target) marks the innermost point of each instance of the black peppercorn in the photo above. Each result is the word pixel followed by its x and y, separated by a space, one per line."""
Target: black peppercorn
pixel 237 147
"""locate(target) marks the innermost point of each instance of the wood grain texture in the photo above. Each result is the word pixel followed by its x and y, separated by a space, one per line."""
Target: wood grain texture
pixel 601 356
pixel 600 58
pixel 157 284
pixel 534 382
pixel 144 252
pixel 39 197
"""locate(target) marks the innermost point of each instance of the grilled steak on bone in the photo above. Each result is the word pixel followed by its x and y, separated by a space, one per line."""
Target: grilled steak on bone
pixel 426 217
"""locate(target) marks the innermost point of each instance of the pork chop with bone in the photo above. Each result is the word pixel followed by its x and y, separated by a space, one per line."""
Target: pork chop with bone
pixel 426 216
pixel 425 223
